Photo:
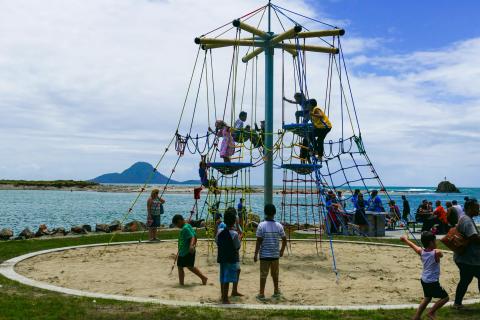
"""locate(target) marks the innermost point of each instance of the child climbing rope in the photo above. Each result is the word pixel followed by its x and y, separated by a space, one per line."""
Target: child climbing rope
pixel 299 98
pixel 321 127
pixel 258 135
pixel 431 274
pixel 227 148
pixel 203 172
pixel 229 242
pixel 305 151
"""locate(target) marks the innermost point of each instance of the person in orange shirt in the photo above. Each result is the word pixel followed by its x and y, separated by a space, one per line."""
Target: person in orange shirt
pixel 321 127
pixel 441 215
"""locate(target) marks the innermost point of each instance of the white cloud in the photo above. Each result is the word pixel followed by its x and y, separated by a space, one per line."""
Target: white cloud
pixel 88 87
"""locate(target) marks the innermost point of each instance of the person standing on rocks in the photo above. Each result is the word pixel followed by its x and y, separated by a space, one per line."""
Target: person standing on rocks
pixel 154 212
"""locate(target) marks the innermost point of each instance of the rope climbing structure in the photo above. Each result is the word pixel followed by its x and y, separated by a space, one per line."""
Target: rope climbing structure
pixel 318 144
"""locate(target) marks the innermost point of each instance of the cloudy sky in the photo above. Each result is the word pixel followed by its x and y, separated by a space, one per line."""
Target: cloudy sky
pixel 91 86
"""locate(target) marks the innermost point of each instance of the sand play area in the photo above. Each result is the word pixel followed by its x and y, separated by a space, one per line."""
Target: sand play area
pixel 368 274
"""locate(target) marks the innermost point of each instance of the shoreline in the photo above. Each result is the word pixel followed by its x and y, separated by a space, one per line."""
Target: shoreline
pixel 172 189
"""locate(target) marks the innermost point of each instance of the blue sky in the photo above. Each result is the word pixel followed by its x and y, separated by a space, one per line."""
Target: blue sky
pixel 89 87
pixel 409 25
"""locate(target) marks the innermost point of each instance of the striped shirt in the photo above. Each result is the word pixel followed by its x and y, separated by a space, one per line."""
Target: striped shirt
pixel 271 232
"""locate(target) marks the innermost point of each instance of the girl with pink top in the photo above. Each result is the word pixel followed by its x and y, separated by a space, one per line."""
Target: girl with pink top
pixel 227 148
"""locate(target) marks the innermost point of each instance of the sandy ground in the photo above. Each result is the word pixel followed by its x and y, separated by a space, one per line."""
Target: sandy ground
pixel 368 274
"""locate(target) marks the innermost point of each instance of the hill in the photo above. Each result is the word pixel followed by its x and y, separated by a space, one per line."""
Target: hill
pixel 138 173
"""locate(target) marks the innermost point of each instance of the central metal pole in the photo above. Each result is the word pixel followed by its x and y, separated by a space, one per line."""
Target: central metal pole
pixel 268 148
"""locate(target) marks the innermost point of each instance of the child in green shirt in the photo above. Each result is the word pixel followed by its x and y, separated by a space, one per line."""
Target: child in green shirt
pixel 187 241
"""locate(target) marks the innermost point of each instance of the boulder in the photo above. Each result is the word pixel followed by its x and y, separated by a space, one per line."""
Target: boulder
pixel 115 226
pixel 78 230
pixel 42 231
pixel 19 238
pixel 59 232
pixel 87 227
pixel 6 234
pixel 102 227
pixel 447 187
pixel 26 233
pixel 134 226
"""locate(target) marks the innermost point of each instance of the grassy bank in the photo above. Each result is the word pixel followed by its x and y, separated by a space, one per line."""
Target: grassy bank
pixel 48 184
pixel 22 302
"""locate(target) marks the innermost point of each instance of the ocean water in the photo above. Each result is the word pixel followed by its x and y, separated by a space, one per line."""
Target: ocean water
pixel 24 208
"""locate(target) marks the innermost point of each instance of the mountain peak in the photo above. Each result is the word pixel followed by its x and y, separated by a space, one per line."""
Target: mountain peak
pixel 139 172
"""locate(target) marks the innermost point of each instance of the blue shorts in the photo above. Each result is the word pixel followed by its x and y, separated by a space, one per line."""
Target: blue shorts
pixel 229 272
pixel 155 222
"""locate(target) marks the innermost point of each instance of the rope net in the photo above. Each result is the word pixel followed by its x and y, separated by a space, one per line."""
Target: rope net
pixel 315 162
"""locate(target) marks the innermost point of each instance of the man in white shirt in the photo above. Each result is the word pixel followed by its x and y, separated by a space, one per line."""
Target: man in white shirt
pixel 269 233
pixel 459 209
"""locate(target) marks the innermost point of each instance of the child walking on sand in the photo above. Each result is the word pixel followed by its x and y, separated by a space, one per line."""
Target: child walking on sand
pixel 228 242
pixel 187 241
pixel 431 274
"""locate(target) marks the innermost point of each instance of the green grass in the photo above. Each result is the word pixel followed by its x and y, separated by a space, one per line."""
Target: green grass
pixel 53 183
pixel 18 301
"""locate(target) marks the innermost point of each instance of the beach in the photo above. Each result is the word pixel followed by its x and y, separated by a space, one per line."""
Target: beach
pixel 367 274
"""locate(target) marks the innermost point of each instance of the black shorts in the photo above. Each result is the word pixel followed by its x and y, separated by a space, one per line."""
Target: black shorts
pixel 433 290
pixel 187 261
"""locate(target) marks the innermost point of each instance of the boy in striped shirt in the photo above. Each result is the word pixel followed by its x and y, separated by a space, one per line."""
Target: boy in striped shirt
pixel 269 233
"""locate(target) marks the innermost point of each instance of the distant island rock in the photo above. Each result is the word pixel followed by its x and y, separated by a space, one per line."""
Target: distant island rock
pixel 138 173
pixel 447 187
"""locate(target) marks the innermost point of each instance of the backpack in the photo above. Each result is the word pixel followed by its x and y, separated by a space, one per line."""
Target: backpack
pixel 226 250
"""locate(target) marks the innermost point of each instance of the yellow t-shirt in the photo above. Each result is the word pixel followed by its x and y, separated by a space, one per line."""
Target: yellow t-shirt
pixel 320 119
